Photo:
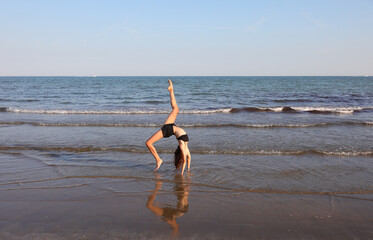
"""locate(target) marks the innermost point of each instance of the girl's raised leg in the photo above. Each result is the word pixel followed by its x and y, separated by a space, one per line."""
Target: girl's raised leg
pixel 175 109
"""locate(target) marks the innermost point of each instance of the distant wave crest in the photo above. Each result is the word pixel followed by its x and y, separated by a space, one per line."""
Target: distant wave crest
pixel 211 125
pixel 316 110
pixel 114 112
pixel 284 109
pixel 196 151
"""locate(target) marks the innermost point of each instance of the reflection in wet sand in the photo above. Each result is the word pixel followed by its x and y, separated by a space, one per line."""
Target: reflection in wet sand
pixel 169 214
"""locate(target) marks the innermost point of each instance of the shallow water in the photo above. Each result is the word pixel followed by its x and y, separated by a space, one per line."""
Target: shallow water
pixel 263 134
pixel 96 196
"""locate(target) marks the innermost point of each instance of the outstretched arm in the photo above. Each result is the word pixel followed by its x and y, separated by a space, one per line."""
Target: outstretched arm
pixel 189 158
pixel 184 153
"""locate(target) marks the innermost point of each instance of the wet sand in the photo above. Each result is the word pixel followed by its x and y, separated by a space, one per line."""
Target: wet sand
pixel 44 205
pixel 209 216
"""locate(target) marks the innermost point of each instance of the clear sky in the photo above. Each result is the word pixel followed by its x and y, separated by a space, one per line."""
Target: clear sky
pixel 167 38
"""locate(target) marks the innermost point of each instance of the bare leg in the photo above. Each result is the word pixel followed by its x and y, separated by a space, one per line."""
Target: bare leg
pixel 150 203
pixel 175 109
pixel 170 119
pixel 157 136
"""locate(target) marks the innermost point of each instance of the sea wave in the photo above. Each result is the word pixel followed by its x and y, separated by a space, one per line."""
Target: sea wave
pixel 195 151
pixel 281 109
pixel 114 112
pixel 18 100
pixel 149 125
pixel 291 152
pixel 41 124
pixel 316 110
pixel 66 111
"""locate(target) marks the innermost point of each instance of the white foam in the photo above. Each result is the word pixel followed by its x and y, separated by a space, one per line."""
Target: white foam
pixel 275 109
pixel 119 112
pixel 348 154
pixel 221 110
pixel 286 125
pixel 343 110
pixel 62 111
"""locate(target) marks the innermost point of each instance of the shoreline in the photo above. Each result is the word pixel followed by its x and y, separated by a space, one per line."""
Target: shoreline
pixel 209 216
pixel 128 208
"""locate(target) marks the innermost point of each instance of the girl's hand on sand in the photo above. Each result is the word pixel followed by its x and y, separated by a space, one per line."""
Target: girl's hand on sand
pixel 170 87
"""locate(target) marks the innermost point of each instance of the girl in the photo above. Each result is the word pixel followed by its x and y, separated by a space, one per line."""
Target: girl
pixel 182 154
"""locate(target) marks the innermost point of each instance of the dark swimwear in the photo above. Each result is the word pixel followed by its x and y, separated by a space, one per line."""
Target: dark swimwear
pixel 184 137
pixel 170 213
pixel 168 130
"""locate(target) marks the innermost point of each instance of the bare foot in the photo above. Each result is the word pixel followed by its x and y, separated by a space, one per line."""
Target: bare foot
pixel 159 163
pixel 170 87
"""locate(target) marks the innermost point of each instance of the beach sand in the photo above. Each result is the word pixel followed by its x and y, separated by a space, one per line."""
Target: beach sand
pixel 46 205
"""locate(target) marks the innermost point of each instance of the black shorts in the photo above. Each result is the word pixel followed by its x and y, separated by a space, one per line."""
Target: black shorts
pixel 168 130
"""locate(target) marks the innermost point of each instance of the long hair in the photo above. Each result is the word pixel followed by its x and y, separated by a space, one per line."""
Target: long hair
pixel 178 158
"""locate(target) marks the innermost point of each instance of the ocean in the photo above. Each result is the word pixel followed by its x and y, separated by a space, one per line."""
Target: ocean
pixel 307 134
pixel 281 135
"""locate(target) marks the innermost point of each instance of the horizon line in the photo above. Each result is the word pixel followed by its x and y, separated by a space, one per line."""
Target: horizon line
pixel 360 75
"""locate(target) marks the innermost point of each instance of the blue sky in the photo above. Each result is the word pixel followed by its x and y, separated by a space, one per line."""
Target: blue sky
pixel 167 38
